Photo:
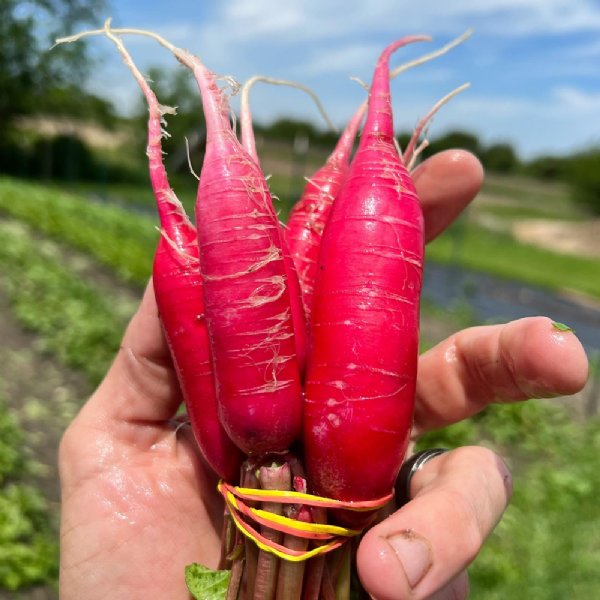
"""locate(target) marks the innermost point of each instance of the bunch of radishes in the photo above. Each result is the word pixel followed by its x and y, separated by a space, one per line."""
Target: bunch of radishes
pixel 293 345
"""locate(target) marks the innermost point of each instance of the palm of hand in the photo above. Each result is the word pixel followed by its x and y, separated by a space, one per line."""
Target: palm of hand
pixel 136 508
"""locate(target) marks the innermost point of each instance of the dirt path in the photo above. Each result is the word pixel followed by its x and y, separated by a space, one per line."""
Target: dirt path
pixel 44 395
pixel 577 239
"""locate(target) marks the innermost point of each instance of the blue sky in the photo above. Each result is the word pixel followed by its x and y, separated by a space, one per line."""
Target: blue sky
pixel 534 65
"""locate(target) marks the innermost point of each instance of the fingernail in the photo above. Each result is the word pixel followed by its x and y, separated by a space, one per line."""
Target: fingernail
pixel 414 552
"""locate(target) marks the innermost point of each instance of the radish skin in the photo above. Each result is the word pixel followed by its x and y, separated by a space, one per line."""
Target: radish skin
pixel 309 215
pixel 361 372
pixel 249 144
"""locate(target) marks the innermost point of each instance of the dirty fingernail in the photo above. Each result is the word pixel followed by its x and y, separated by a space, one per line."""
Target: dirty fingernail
pixel 414 552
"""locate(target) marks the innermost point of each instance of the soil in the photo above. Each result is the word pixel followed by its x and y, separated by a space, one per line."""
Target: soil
pixel 578 239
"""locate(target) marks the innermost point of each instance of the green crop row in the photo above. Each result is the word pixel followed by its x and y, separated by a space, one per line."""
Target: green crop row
pixel 28 544
pixel 122 240
pixel 548 542
pixel 74 320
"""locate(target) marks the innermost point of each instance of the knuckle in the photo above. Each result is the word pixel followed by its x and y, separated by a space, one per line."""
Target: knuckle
pixel 492 471
pixel 467 521
pixel 481 485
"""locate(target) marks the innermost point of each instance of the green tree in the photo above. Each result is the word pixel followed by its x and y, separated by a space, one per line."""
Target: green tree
pixel 500 158
pixel 548 167
pixel 455 139
pixel 583 172
pixel 27 70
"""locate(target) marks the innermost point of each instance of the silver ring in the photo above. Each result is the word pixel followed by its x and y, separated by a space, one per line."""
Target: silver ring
pixel 408 470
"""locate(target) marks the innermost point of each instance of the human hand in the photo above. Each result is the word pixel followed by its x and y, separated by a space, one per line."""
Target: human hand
pixel 138 502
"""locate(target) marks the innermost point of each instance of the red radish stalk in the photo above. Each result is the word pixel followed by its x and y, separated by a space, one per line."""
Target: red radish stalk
pixel 362 369
pixel 178 289
pixel 273 477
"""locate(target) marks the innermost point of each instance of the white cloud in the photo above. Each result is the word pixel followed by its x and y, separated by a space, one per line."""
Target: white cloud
pixel 347 59
pixel 264 17
pixel 315 19
pixel 578 100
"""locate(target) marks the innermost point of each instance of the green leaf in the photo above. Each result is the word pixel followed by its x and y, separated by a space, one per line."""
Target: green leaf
pixel 561 326
pixel 206 584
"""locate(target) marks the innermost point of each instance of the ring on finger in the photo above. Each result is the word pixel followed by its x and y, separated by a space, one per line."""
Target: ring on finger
pixel 408 470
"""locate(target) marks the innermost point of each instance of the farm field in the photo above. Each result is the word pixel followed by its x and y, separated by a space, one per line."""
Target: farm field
pixel 72 271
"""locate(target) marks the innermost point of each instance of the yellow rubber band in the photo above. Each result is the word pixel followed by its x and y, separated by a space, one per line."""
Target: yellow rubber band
pixel 332 545
pixel 304 526
pixel 294 523
pixel 235 498
pixel 289 497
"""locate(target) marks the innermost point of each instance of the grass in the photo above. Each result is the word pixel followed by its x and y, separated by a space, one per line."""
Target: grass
pixel 547 545
pixel 513 212
pixel 117 238
pixel 499 254
pixel 28 544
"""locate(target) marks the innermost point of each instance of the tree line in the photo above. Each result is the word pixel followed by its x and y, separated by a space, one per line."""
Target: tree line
pixel 34 81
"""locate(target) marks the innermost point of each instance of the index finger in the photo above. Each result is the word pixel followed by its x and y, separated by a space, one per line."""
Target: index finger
pixel 526 358
pixel 446 183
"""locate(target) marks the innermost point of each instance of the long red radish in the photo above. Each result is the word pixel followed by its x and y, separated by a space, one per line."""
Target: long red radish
pixel 247 303
pixel 251 326
pixel 178 289
pixel 361 372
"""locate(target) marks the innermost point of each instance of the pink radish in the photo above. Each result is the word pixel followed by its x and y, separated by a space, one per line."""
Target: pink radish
pixel 309 215
pixel 362 369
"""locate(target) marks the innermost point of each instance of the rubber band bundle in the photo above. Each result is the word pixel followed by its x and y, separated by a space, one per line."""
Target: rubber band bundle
pixel 329 537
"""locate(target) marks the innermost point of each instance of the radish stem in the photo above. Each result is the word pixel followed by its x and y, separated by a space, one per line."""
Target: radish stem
pixel 274 477
pixel 409 156
pixel 248 141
